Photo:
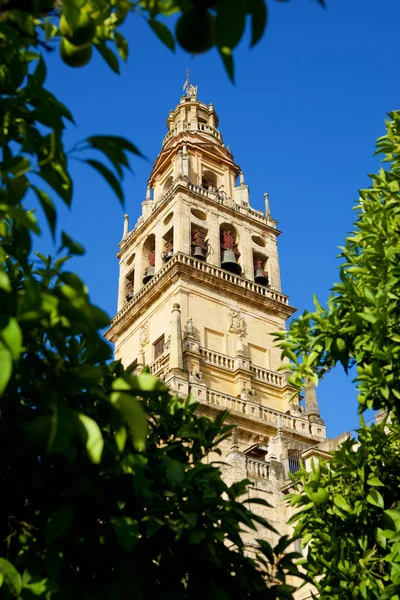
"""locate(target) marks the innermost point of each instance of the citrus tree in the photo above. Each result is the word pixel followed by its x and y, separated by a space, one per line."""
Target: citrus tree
pixel 103 483
pixel 349 510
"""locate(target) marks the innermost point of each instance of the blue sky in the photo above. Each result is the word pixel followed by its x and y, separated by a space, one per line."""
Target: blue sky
pixel 309 101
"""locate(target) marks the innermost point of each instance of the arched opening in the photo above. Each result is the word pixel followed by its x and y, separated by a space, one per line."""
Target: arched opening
pixel 129 279
pixel 167 184
pixel 209 180
pixel 149 258
pixel 168 245
pixel 199 242
pixel 260 263
pixel 229 242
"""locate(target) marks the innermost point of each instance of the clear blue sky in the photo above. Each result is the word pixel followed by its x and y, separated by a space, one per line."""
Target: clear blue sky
pixel 309 101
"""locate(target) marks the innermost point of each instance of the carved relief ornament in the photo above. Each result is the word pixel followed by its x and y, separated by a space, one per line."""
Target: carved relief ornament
pixel 236 322
pixel 144 335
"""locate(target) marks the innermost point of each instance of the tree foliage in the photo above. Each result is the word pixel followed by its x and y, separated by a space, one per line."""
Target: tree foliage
pixel 105 491
pixel 349 509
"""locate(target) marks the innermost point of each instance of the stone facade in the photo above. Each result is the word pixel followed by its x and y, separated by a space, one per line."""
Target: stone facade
pixel 200 298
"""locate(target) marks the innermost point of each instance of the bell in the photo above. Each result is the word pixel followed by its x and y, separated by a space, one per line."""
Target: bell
pixel 260 277
pixel 229 262
pixel 198 252
pixel 149 273
pixel 168 255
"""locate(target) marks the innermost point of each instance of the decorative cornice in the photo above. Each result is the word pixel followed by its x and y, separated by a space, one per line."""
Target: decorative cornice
pixel 182 265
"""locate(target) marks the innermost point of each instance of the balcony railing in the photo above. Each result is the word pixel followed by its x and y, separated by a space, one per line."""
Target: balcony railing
pixel 157 366
pixel 267 376
pixel 257 411
pixel 215 358
pixel 199 265
pixel 257 469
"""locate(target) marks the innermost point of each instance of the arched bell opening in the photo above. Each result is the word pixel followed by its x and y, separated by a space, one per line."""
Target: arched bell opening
pixel 199 243
pixel 149 258
pixel 167 184
pixel 260 269
pixel 209 180
pixel 229 249
pixel 129 289
pixel 168 245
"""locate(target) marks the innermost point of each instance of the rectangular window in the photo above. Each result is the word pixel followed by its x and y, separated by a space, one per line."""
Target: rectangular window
pixel 159 347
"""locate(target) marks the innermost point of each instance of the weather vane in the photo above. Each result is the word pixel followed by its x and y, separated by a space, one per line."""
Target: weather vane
pixel 186 84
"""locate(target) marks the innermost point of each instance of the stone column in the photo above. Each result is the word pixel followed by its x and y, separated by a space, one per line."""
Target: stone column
pixel 176 351
pixel 213 240
pixel 267 207
pixel 177 379
pixel 247 253
pixel 126 226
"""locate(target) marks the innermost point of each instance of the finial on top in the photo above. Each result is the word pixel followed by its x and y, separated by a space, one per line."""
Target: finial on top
pixel 189 88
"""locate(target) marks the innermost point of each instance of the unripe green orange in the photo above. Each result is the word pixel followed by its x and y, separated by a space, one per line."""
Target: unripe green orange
pixel 75 56
pixel 195 31
pixel 82 33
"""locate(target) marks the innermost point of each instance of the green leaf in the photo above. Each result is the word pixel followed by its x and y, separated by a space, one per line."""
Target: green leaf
pixel 11 578
pixel 163 33
pixel 40 73
pixel 16 189
pixel 227 59
pixel 5 367
pixel 133 416
pixel 58 178
pixel 108 56
pixel 368 317
pixel 72 246
pixel 259 17
pixel 341 344
pixel 375 498
pixel 109 177
pixel 90 435
pixel 4 282
pixel 120 437
pixel 175 472
pixel 48 208
pixel 122 45
pixel 114 140
pixel 11 335
pixel 127 531
pixel 229 22
pixel 62 429
pixel 321 496
pixel 341 503
pixel 58 522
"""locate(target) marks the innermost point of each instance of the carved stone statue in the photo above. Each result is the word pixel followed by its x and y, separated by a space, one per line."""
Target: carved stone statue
pixel 196 376
pixel 189 326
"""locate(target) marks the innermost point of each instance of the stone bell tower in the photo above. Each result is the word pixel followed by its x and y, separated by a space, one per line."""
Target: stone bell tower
pixel 200 298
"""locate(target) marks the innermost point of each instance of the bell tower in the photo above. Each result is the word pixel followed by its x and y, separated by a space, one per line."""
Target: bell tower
pixel 200 296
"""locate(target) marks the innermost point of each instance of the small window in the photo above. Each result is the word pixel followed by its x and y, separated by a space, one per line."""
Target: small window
pixel 159 347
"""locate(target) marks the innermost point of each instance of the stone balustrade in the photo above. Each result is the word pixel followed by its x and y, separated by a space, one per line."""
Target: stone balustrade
pixel 184 127
pixel 215 358
pixel 206 268
pixel 257 469
pixel 157 366
pixel 267 376
pixel 257 411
